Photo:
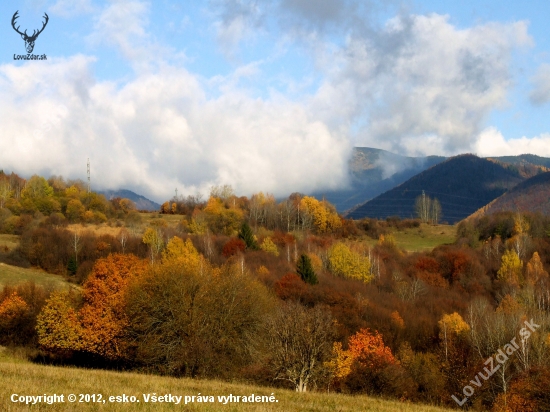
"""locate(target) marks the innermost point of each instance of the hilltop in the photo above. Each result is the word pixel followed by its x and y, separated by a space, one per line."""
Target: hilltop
pixel 141 202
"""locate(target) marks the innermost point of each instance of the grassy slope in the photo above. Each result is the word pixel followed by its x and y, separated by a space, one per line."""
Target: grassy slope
pixel 423 238
pixel 12 275
pixel 29 379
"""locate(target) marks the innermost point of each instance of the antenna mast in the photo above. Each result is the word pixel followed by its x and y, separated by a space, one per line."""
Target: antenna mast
pixel 88 175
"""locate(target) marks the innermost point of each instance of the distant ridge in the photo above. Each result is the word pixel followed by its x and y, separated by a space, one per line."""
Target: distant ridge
pixel 141 202
pixel 532 195
pixel 462 184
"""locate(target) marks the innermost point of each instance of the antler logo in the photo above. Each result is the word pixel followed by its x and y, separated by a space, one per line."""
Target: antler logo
pixel 29 40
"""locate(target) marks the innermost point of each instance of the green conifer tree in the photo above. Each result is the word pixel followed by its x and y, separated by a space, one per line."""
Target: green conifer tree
pixel 72 266
pixel 304 268
pixel 247 236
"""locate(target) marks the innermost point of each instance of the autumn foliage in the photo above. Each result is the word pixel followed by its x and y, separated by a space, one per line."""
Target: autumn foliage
pixel 280 292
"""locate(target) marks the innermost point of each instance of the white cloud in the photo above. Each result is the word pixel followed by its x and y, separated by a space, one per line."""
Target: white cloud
pixel 541 85
pixel 418 78
pixel 159 132
pixel 491 142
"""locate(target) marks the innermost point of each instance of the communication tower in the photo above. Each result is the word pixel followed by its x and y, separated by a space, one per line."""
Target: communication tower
pixel 89 175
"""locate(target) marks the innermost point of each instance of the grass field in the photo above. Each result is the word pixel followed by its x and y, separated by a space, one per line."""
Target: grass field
pixel 12 275
pixel 23 378
pixel 422 238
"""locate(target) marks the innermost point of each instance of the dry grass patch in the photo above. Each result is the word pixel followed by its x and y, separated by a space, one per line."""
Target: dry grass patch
pixel 98 230
pixel 30 379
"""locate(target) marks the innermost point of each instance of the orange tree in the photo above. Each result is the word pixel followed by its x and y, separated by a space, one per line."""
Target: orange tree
pixel 98 326
pixel 360 368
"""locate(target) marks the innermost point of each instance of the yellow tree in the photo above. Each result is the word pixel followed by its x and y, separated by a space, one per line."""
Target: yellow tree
pixel 153 238
pixel 58 326
pixel 5 192
pixel 75 210
pixel 270 247
pixel 450 327
pixel 510 268
pixel 221 219
pixel 346 263
pixel 182 252
pixel 322 214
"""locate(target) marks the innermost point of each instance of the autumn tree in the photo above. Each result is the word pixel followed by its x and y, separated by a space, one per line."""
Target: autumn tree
pixel 269 247
pixel 304 269
pixel 450 327
pixel 528 393
pixel 233 247
pixel 319 215
pixel 75 210
pixel 187 322
pixel 220 218
pixel 535 270
pixel 510 268
pixel 299 343
pixel 184 253
pixel 36 187
pixel 349 264
pixel 153 238
pixel 103 317
pixel 13 311
pixel 359 366
pixel 38 195
pixel 58 326
pixel 5 192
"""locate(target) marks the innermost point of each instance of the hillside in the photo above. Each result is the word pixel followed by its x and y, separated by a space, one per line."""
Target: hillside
pixel 532 195
pixel 17 376
pixel 375 171
pixel 462 185
pixel 141 202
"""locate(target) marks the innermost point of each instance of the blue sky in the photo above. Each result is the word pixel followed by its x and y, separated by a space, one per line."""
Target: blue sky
pixel 266 95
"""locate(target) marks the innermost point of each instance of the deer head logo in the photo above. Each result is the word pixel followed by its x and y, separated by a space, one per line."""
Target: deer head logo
pixel 29 40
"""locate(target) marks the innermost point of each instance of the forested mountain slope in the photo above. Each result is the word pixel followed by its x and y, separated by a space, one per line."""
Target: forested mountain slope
pixel 462 184
pixel 532 195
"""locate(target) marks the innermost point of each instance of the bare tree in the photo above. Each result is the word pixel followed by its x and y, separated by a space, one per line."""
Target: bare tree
pixel 75 244
pixel 122 237
pixel 299 341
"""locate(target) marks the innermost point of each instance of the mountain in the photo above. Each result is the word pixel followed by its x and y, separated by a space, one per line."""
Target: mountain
pixel 527 165
pixel 532 195
pixel 375 171
pixel 462 184
pixel 142 203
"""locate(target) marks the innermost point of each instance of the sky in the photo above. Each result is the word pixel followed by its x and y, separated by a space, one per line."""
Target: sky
pixel 266 95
